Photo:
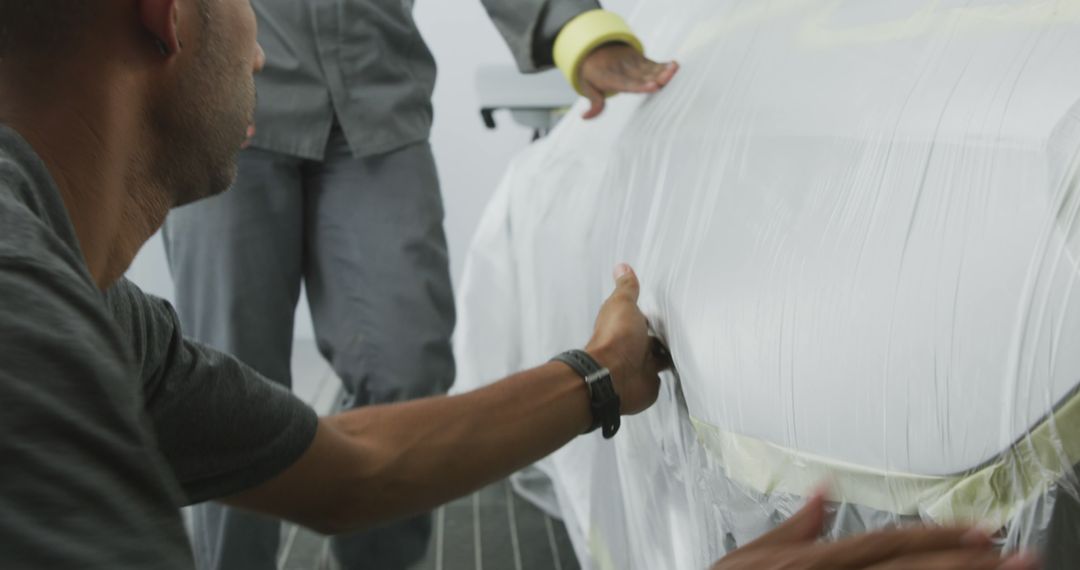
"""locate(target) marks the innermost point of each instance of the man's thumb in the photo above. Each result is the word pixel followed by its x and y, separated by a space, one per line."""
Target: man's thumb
pixel 596 101
pixel 626 282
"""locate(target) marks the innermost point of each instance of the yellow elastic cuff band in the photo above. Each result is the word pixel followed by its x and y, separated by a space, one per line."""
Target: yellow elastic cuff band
pixel 580 36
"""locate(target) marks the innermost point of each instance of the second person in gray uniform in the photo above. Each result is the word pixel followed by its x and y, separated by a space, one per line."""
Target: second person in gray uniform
pixel 338 190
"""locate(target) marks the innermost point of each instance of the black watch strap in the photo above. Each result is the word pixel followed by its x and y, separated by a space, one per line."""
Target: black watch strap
pixel 603 401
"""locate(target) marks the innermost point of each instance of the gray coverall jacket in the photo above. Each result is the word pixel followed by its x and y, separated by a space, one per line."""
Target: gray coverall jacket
pixel 364 60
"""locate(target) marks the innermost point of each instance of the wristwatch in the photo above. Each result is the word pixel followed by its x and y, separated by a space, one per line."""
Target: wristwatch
pixel 603 401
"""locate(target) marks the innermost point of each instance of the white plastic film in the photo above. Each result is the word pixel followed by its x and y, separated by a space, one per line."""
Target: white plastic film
pixel 855 226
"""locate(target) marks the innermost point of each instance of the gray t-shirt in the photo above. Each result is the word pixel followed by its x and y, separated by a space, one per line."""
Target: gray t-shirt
pixel 109 419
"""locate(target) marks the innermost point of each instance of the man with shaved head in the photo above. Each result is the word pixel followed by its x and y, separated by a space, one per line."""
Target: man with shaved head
pixel 111 113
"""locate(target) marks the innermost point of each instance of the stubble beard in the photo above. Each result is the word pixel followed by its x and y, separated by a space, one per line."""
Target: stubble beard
pixel 203 123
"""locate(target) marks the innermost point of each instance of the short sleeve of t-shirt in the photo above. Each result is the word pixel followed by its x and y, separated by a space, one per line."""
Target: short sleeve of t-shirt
pixel 221 426
pixel 83 483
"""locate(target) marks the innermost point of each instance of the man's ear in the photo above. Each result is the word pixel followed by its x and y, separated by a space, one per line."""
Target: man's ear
pixel 161 19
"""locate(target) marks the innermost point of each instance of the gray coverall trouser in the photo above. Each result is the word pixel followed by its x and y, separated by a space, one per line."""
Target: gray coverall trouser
pixel 366 238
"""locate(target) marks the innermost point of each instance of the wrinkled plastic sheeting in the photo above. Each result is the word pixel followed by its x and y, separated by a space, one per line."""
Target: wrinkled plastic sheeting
pixel 855 226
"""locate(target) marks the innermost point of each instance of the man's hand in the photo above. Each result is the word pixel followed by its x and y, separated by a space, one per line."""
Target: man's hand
pixel 794 545
pixel 621 342
pixel 619 68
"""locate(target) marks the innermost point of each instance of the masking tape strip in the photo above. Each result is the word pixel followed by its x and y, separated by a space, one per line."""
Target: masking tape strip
pixel 990 494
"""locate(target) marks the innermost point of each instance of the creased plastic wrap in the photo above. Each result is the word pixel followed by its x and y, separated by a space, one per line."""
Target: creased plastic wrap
pixel 856 229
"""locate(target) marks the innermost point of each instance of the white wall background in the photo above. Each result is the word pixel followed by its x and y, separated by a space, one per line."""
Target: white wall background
pixel 470 158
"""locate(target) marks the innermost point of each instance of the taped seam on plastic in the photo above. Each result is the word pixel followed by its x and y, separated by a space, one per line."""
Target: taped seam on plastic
pixel 991 495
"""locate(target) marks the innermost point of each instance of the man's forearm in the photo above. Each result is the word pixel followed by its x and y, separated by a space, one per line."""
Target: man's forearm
pixel 426 452
pixel 377 463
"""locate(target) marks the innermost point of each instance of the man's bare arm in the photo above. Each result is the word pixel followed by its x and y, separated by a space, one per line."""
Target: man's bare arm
pixel 378 463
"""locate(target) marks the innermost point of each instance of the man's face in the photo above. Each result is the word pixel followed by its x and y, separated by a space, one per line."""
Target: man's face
pixel 202 119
